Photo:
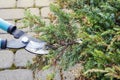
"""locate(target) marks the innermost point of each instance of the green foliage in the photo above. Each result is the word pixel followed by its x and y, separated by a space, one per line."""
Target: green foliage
pixel 50 76
pixel 99 30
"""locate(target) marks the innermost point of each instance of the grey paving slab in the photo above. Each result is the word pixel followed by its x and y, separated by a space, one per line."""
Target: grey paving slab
pixel 43 74
pixel 23 57
pixel 6 59
pixel 25 3
pixel 45 12
pixel 11 13
pixel 5 35
pixel 70 74
pixel 42 3
pixel 19 74
pixel 11 22
pixel 19 24
pixel 7 3
pixel 35 11
pixel 73 72
pixel 76 70
pixel 47 21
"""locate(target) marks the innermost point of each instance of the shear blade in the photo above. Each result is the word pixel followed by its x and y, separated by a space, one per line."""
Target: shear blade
pixel 37 47
pixel 33 45
pixel 15 44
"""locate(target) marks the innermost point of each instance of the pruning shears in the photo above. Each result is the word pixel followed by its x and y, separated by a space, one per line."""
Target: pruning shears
pixel 22 40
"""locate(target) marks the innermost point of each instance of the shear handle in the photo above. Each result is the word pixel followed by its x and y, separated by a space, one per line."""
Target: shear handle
pixel 3 43
pixel 4 25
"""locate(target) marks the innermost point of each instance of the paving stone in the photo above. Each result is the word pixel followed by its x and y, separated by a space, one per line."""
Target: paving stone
pixel 22 57
pixel 18 74
pixel 35 11
pixel 73 72
pixel 5 35
pixel 42 3
pixel 68 76
pixel 11 22
pixel 25 29
pixel 31 34
pixel 45 11
pixel 47 21
pixel 76 70
pixel 25 3
pixel 19 25
pixel 6 59
pixel 11 13
pixel 43 74
pixel 7 3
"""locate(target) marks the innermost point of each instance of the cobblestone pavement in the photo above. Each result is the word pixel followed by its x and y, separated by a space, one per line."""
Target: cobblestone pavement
pixel 13 11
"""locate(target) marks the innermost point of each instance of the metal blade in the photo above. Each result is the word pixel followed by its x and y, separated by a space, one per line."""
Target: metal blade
pixel 37 47
pixel 15 44
pixel 31 44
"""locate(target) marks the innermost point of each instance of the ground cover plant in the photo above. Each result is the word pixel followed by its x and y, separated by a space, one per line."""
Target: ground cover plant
pixel 94 22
